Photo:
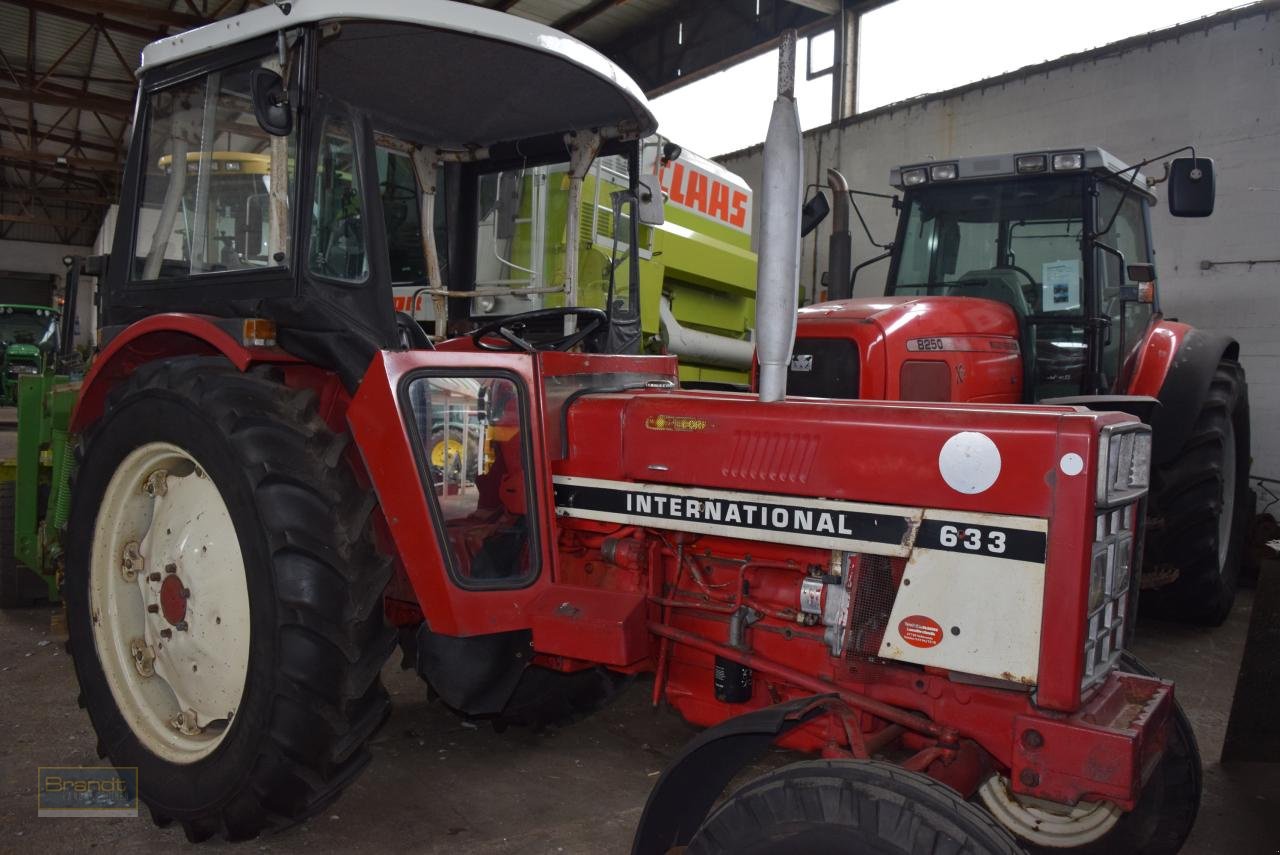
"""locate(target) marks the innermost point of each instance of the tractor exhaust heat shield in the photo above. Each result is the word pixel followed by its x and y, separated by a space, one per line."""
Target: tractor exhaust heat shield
pixel 778 279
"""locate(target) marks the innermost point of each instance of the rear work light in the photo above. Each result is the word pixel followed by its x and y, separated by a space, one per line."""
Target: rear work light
pixel 912 177
pixel 1032 163
pixel 943 171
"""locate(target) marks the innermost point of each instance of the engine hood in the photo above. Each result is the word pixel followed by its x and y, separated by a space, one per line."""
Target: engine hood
pixel 937 315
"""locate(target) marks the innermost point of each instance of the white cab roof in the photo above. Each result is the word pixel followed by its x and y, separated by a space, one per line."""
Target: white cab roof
pixel 460 18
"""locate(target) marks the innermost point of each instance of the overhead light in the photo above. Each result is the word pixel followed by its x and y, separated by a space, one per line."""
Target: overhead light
pixel 1067 160
pixel 943 171
pixel 912 177
pixel 1032 163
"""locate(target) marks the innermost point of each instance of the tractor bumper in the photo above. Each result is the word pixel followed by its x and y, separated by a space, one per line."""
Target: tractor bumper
pixel 1107 750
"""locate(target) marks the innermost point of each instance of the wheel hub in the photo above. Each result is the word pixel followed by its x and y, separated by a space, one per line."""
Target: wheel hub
pixel 173 600
pixel 1047 823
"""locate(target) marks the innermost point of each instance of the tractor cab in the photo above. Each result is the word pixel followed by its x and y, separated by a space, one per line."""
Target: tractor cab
pixel 1055 237
pixel 328 167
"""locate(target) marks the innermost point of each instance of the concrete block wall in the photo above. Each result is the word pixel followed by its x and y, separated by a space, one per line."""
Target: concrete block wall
pixel 1214 84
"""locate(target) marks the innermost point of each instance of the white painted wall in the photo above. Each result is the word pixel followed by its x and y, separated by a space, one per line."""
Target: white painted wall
pixel 1215 85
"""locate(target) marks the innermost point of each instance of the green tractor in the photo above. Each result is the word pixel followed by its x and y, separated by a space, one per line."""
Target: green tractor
pixel 29 336
pixel 34 487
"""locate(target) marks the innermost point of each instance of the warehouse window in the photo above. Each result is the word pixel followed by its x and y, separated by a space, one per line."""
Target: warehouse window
pixel 215 189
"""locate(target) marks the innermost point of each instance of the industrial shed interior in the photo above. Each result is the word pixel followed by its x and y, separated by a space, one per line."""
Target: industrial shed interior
pixel 618 459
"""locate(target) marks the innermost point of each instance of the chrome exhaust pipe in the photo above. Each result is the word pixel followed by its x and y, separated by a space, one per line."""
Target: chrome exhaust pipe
pixel 782 197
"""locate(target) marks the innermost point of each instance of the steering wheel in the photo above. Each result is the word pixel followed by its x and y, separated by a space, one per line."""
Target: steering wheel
pixel 1016 269
pixel 510 329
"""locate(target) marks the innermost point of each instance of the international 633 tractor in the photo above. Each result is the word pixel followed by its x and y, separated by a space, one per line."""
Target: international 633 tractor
pixel 1031 277
pixel 932 599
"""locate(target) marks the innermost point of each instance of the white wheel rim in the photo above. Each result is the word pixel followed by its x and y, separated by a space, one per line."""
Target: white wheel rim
pixel 1045 823
pixel 1228 494
pixel 180 613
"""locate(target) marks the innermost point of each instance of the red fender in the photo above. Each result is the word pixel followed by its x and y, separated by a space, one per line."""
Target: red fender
pixel 162 336
pixel 1155 357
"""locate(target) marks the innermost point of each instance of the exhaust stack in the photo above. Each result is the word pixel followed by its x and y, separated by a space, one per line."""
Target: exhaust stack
pixel 778 276
pixel 840 246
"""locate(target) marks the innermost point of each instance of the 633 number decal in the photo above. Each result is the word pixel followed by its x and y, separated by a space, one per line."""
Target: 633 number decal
pixel 990 541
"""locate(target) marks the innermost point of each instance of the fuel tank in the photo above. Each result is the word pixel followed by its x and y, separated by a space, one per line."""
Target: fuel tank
pixel 908 349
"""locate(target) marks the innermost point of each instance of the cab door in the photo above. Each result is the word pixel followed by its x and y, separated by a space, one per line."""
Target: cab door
pixel 454 444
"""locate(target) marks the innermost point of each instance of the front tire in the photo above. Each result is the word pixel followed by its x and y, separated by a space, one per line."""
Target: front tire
pixel 837 807
pixel 230 484
pixel 1201 498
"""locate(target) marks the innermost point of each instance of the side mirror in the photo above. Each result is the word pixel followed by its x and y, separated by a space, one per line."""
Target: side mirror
pixel 270 102
pixel 1191 187
pixel 814 212
pixel 651 209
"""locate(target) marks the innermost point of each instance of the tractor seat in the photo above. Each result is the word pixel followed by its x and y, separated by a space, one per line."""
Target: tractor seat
pixel 999 284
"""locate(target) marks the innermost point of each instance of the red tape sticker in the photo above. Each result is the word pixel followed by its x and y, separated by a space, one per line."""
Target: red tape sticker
pixel 920 631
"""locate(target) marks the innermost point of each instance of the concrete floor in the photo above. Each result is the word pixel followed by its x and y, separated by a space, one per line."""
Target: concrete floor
pixel 439 786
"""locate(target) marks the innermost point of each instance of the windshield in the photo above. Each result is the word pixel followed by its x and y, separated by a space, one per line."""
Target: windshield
pixel 1016 241
pixel 29 326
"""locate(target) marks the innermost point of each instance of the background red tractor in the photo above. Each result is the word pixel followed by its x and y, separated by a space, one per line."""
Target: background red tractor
pixel 1031 278
pixel 257 516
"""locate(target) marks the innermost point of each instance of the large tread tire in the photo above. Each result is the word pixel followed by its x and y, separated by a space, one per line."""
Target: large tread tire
pixel 836 807
pixel 1187 497
pixel 19 585
pixel 313 695
pixel 545 698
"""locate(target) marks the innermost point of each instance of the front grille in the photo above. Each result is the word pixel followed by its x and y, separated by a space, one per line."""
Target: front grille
pixel 1110 578
pixel 875 587
pixel 824 368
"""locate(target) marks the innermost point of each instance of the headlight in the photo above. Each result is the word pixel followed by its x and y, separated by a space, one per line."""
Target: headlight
pixel 912 177
pixel 1068 160
pixel 942 171
pixel 1031 163
pixel 1124 464
pixel 24 369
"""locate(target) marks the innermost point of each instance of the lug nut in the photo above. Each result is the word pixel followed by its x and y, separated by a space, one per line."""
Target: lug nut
pixel 180 626
pixel 153 577
pixel 171 567
pixel 166 633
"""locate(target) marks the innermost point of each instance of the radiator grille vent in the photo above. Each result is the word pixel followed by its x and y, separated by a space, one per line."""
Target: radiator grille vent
pixel 875 588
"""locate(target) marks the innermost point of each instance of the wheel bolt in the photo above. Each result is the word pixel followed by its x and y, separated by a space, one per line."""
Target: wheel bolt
pixel 166 633
pixel 171 567
pixel 180 626
pixel 152 608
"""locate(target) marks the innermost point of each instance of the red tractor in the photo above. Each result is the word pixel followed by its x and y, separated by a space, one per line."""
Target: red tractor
pixel 1030 278
pixel 932 600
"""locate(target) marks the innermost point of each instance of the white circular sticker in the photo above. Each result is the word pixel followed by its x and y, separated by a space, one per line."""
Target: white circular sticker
pixel 969 462
pixel 1071 463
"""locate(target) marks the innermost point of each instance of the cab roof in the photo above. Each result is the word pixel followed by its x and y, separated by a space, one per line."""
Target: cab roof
pixel 983 166
pixel 590 83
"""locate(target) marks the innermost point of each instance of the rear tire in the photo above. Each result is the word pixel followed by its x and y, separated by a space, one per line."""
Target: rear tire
pixel 305 584
pixel 837 807
pixel 1209 478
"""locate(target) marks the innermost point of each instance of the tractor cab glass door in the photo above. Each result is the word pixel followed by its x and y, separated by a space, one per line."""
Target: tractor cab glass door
pixel 473 443
pixel 1127 319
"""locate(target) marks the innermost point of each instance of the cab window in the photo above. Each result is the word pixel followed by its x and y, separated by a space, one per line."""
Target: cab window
pixel 474 446
pixel 1129 235
pixel 337 249
pixel 216 189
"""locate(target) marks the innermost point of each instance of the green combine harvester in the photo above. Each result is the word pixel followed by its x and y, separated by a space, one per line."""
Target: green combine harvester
pixel 697 270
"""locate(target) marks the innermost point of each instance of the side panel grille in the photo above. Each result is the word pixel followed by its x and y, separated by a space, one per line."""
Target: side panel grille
pixel 771 458
pixel 874 589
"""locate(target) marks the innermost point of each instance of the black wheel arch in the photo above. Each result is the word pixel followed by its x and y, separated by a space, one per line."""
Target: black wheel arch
pixel 1185 387
pixel 689 786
